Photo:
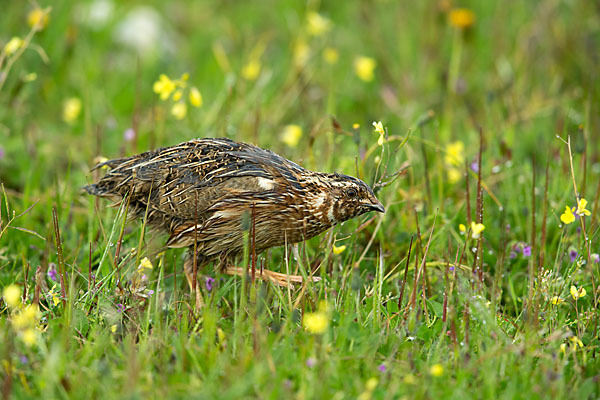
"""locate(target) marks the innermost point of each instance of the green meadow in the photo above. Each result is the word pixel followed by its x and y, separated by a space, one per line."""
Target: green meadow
pixel 477 124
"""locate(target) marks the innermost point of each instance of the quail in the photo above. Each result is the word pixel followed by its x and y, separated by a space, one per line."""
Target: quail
pixel 202 192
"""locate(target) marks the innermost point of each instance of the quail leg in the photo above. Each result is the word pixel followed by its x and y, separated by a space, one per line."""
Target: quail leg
pixel 272 276
pixel 188 267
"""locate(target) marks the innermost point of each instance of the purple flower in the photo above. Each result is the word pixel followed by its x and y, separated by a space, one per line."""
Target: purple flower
pixel 129 135
pixel 516 248
pixel 475 166
pixel 526 251
pixel 23 358
pixel 573 255
pixel 513 255
pixel 451 268
pixel 595 258
pixel 209 283
pixel 120 307
pixel 311 362
pixel 52 272
pixel 150 292
pixel 382 368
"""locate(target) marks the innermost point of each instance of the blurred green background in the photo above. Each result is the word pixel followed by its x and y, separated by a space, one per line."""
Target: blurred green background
pixel 522 72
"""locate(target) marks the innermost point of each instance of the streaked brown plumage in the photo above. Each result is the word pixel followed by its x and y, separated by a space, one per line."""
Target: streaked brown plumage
pixel 200 190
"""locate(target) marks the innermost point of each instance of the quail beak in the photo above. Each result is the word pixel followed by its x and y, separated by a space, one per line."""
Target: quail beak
pixel 377 206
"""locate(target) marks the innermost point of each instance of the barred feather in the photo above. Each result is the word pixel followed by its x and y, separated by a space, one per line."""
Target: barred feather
pixel 202 189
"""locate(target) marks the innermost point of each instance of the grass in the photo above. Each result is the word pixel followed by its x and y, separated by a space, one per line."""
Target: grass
pixel 414 307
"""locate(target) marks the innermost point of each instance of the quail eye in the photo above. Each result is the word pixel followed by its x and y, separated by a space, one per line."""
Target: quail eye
pixel 351 193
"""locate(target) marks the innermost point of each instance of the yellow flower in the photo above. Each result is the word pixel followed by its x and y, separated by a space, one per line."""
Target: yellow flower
pixel 113 328
pixel 145 264
pixel 563 348
pixel 317 24
pixel 30 77
pixel 576 341
pixel 163 86
pixel 436 370
pixel 339 250
pixel 461 18
pixel 379 129
pixel 37 18
pixel 331 55
pixel 221 336
pixel 556 300
pixel 195 97
pixel 364 68
pixel 13 45
pixel 454 175
pixel 371 384
pixel 462 228
pixel 31 312
pixel 455 154
pixel 581 210
pixel 12 295
pixel 54 294
pixel 27 318
pixel 29 337
pixel 291 135
pixel 100 160
pixel 301 52
pixel 316 322
pixel 567 217
pixel 577 294
pixel 251 70
pixel 179 110
pixel 177 95
pixel 476 229
pixel 71 109
pixel 355 126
